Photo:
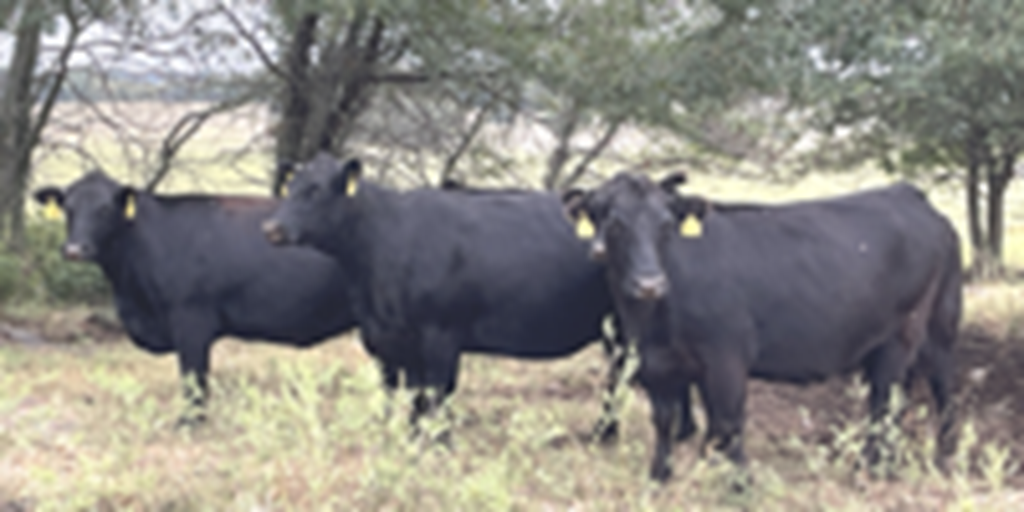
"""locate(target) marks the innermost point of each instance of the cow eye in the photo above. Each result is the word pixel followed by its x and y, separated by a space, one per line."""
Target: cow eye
pixel 309 192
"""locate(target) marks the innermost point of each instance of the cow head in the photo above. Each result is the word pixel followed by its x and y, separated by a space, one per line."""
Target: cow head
pixel 315 200
pixel 629 220
pixel 96 208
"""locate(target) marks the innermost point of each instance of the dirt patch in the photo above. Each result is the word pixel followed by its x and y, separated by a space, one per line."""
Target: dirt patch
pixel 990 391
pixel 60 326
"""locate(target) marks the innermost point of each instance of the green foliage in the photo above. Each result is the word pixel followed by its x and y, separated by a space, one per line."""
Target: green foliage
pixel 10 277
pixel 40 273
pixel 63 282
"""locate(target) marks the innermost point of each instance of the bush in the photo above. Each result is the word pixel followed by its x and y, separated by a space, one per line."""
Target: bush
pixel 39 273
pixel 10 277
pixel 62 281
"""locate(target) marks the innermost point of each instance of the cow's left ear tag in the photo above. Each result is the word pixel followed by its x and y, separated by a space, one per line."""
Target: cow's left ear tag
pixel 584 227
pixel 129 207
pixel 351 185
pixel 51 210
pixel 691 227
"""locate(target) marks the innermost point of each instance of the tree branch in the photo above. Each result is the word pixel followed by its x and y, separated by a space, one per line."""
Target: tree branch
pixel 74 30
pixel 593 153
pixel 182 131
pixel 464 143
pixel 249 38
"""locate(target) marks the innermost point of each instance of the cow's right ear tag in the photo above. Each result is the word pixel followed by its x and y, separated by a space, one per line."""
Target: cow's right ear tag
pixel 584 227
pixel 691 227
pixel 351 185
pixel 129 207
pixel 51 210
pixel 284 183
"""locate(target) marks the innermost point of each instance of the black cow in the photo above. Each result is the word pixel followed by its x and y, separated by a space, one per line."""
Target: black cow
pixel 436 273
pixel 796 293
pixel 186 270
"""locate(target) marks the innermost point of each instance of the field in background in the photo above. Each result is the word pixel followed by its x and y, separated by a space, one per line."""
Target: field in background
pixel 86 420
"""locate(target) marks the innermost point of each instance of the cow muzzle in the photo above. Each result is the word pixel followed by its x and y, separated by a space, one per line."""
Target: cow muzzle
pixel 650 288
pixel 76 252
pixel 598 250
pixel 274 232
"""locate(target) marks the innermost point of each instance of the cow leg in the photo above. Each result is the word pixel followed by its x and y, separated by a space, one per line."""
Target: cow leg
pixel 723 388
pixel 938 365
pixel 193 335
pixel 885 367
pixel 440 370
pixel 389 374
pixel 606 431
pixel 938 354
pixel 663 416
pixel 662 380
pixel 686 427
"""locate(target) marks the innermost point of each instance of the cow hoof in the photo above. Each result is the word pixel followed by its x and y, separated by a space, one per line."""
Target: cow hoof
pixel 444 439
pixel 661 473
pixel 605 434
pixel 190 421
pixel 685 432
pixel 741 482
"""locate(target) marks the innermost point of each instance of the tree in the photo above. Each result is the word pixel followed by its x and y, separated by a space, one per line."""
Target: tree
pixel 573 66
pixel 24 89
pixel 922 86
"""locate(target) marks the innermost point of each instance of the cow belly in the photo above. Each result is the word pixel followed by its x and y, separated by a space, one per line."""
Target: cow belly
pixel 145 335
pixel 816 359
pixel 299 333
pixel 533 341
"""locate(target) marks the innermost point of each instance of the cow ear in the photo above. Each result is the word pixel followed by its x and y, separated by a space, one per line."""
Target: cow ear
pixel 347 181
pixel 52 199
pixel 283 175
pixel 673 181
pixel 126 199
pixel 690 212
pixel 573 201
pixel 452 184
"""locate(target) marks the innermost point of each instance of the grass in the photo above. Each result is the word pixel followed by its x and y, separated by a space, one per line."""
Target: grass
pixel 88 425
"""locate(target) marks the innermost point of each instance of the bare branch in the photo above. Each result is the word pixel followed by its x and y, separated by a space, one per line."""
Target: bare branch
pixel 182 131
pixel 254 43
pixel 593 153
pixel 74 30
pixel 464 143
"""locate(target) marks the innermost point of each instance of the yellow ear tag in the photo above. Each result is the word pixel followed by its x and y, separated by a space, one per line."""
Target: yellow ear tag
pixel 351 186
pixel 51 211
pixel 284 183
pixel 129 207
pixel 691 227
pixel 584 227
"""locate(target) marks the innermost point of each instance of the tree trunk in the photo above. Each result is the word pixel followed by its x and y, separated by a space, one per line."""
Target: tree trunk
pixel 295 100
pixel 16 129
pixel 351 79
pixel 977 158
pixel 560 156
pixel 1000 174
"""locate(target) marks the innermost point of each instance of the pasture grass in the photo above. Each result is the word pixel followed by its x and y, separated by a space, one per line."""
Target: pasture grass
pixel 90 426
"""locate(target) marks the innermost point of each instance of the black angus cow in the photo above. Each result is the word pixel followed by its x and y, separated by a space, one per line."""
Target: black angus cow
pixel 436 273
pixel 186 270
pixel 795 293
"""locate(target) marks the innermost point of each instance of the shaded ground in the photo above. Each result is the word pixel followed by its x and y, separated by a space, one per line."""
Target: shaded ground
pixel 990 380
